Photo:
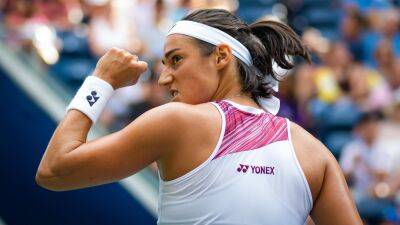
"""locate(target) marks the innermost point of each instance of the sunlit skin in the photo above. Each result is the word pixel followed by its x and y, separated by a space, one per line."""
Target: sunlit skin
pixel 179 135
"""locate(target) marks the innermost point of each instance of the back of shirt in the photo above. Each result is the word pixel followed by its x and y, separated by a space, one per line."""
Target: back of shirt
pixel 251 177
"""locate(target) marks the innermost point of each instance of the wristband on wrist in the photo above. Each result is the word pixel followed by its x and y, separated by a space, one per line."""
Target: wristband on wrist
pixel 92 97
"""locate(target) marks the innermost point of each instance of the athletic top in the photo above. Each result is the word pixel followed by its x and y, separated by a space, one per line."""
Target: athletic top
pixel 252 176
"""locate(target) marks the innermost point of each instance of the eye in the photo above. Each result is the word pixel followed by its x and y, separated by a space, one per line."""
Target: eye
pixel 175 59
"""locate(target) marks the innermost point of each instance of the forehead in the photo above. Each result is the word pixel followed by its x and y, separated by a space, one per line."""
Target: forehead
pixel 180 41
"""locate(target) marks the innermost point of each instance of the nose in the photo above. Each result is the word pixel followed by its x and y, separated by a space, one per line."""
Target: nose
pixel 165 78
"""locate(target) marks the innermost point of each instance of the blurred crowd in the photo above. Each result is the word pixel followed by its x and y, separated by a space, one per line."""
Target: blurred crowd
pixel 349 97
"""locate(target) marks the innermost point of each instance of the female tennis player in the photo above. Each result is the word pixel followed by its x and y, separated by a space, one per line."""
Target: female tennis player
pixel 223 155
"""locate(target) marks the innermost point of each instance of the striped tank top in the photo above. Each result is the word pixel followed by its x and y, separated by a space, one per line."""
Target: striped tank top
pixel 252 176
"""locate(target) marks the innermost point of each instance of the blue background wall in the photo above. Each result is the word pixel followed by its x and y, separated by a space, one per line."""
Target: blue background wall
pixel 25 130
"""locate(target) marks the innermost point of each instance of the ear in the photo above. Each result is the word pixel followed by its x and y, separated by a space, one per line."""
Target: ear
pixel 223 55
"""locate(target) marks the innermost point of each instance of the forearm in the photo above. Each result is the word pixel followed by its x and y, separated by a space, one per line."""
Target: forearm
pixel 69 135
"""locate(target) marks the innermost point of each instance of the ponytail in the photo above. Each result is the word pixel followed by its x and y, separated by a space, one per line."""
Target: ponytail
pixel 279 42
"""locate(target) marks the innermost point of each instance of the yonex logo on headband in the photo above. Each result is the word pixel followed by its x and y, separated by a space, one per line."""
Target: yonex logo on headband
pixel 213 36
pixel 92 98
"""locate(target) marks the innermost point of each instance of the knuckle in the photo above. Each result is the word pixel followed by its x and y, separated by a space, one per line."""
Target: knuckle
pixel 114 63
pixel 114 50
pixel 127 55
pixel 143 67
pixel 132 61
pixel 132 65
pixel 120 53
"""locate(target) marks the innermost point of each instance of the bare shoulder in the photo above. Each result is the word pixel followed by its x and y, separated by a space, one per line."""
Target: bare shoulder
pixel 181 111
pixel 192 131
pixel 175 115
pixel 309 145
pixel 312 155
pixel 186 120
pixel 333 204
pixel 174 121
pixel 167 118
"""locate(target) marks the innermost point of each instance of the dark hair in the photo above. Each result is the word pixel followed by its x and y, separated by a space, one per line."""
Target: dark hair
pixel 267 41
pixel 369 116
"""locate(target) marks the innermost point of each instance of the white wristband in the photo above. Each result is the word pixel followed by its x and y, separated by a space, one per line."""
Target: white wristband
pixel 92 97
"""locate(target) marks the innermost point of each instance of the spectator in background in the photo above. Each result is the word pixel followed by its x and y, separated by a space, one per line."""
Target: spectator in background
pixel 387 63
pixel 390 133
pixel 383 24
pixel 338 87
pixel 390 23
pixel 107 29
pixel 352 29
pixel 230 5
pixel 368 89
pixel 330 78
pixel 183 7
pixel 153 21
pixel 368 5
pixel 385 58
pixel 21 19
pixel 324 89
pixel 367 169
pixel 289 106
pixel 395 80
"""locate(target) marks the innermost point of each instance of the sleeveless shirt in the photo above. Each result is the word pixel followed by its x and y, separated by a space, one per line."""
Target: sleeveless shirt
pixel 252 176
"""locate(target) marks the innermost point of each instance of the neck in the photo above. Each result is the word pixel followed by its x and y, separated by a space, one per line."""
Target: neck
pixel 230 88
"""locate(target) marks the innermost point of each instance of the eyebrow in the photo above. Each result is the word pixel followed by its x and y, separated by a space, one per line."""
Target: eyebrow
pixel 169 53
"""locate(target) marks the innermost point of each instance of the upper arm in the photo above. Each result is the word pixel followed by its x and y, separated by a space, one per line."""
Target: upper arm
pixel 333 204
pixel 123 153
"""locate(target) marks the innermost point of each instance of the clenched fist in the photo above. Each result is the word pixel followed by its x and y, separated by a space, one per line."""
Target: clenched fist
pixel 119 68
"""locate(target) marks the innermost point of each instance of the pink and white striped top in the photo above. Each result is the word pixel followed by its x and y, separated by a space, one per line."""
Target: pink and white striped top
pixel 251 177
pixel 246 131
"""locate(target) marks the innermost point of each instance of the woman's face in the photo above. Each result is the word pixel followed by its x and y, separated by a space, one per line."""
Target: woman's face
pixel 189 76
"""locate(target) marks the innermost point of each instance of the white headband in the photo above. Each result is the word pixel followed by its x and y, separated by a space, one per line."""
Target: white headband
pixel 213 36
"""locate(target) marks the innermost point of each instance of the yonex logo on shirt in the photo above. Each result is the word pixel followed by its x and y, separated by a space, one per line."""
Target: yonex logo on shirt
pixel 269 170
pixel 242 168
pixel 92 98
